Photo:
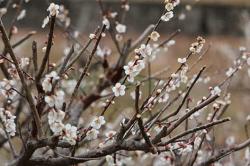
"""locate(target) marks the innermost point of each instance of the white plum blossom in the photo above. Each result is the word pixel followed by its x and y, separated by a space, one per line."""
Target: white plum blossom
pixel 110 134
pixel 182 60
pixel 98 122
pixel 47 82
pixel 7 120
pixel 53 9
pixel 144 50
pixel 133 69
pixel 230 71
pixel 167 16
pixel 169 6
pixel 55 100
pixel 92 36
pixel 197 46
pixel 55 118
pixel 92 134
pixel 70 134
pixel 120 28
pixel 216 91
pixel 155 36
pixel 140 65
pixel 53 75
pixel 119 89
pixel 129 69
pixel 171 43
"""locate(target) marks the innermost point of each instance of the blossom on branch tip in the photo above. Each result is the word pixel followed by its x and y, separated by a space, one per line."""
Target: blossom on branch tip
pixel 53 9
pixel 92 36
pixel 120 28
pixel 110 134
pixel 98 122
pixel 167 16
pixel 119 89
pixel 230 71
pixel 144 51
pixel 182 60
pixel 197 46
pixel 155 36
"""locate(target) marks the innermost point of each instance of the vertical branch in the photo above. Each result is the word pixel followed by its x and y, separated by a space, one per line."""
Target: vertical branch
pixel 140 122
pixel 34 55
pixel 85 70
pixel 48 48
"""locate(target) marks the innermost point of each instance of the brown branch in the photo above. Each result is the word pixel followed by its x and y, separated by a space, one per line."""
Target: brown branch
pixel 85 70
pixel 164 133
pixel 191 131
pixel 34 56
pixel 48 49
pixel 186 95
pixel 225 152
pixel 22 40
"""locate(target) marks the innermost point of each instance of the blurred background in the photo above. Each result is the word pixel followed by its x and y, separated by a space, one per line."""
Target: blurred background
pixel 224 23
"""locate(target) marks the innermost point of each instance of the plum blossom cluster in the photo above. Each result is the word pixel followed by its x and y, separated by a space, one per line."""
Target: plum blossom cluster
pixel 96 124
pixel 67 132
pixel 53 10
pixel 169 6
pixel 197 46
pixel 48 81
pixel 8 121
